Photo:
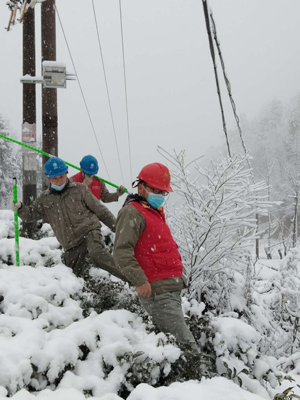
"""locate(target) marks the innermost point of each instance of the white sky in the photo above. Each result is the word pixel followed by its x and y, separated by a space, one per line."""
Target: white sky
pixel 171 89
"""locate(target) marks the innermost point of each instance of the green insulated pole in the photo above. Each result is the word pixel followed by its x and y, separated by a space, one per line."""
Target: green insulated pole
pixel 50 155
pixel 15 191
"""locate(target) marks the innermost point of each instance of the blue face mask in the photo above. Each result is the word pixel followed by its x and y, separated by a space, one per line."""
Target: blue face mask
pixel 156 200
pixel 58 188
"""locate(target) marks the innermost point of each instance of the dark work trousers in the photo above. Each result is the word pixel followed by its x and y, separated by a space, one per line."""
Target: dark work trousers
pixel 93 245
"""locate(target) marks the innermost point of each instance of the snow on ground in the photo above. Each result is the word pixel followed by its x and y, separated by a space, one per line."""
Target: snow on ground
pixel 213 389
pixel 47 345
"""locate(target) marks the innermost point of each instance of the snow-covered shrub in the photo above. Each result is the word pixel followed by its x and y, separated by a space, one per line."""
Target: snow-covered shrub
pixel 7 228
pixel 103 292
pixel 215 225
pixel 274 310
pixel 290 300
pixel 237 346
pixel 10 165
pixel 44 252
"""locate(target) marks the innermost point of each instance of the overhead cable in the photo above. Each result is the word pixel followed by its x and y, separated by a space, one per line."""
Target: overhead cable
pixel 86 106
pixel 107 91
pixel 212 52
pixel 125 83
pixel 227 83
pixel 228 86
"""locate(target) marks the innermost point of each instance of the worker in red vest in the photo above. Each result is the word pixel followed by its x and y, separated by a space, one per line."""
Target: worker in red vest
pixel 147 254
pixel 89 168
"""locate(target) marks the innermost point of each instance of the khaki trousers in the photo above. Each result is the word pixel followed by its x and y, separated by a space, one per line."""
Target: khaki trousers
pixel 166 312
pixel 93 245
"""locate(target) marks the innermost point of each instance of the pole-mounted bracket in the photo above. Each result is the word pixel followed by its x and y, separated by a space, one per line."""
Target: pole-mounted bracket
pixel 22 6
pixel 54 75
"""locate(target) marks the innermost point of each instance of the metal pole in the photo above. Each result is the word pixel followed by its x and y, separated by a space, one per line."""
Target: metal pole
pixel 49 96
pixel 29 117
pixel 15 193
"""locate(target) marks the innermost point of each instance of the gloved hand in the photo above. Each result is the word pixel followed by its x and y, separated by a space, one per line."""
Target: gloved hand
pixel 120 190
pixel 88 180
pixel 15 206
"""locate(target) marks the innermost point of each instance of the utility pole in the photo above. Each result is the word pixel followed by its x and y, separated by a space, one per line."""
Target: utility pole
pixel 49 96
pixel 29 117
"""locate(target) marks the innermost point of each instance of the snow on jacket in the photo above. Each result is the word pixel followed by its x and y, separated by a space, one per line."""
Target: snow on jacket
pixel 130 226
pixel 71 213
pixel 98 189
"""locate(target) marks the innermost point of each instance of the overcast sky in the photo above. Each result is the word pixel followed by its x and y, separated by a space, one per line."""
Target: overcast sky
pixel 170 81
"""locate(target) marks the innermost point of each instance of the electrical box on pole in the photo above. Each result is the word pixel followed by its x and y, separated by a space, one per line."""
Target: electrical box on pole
pixel 54 74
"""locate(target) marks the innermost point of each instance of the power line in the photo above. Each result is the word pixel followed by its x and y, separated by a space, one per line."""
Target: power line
pixel 125 83
pixel 228 86
pixel 227 82
pixel 86 106
pixel 107 91
pixel 212 52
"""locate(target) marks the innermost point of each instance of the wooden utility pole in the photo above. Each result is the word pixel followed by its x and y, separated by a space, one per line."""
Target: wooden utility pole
pixel 49 96
pixel 29 117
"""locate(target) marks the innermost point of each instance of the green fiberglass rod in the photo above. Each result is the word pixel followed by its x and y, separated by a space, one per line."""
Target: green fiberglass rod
pixel 50 155
pixel 17 247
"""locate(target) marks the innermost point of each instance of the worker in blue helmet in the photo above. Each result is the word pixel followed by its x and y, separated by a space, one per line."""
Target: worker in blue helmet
pixel 89 167
pixel 74 215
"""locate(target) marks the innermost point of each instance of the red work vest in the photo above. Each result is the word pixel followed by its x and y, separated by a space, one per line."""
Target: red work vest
pixel 95 186
pixel 156 251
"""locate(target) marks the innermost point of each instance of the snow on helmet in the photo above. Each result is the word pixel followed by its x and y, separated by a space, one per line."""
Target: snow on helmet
pixel 156 175
pixel 54 167
pixel 89 165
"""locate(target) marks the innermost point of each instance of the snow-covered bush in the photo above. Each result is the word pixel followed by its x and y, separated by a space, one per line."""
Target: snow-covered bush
pixel 215 225
pixel 92 338
pixel 10 165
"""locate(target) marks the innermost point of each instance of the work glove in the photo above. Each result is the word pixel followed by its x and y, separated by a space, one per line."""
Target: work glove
pixel 15 206
pixel 121 190
pixel 88 180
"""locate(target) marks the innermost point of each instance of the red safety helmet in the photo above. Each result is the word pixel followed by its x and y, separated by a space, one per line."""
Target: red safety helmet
pixel 156 175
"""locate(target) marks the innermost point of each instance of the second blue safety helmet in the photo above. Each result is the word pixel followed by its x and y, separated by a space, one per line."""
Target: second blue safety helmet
pixel 54 167
pixel 89 165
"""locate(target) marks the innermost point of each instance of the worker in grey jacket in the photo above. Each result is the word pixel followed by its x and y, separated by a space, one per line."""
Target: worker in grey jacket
pixel 148 255
pixel 74 215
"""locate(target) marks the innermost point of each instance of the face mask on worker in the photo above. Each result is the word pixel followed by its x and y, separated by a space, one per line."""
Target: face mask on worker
pixel 156 200
pixel 58 188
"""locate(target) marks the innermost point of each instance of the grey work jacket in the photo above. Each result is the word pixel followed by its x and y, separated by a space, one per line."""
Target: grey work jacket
pixel 71 213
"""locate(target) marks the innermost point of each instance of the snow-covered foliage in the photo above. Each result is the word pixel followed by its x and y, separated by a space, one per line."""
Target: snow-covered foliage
pixel 215 226
pixel 64 338
pixel 10 165
pixel 278 320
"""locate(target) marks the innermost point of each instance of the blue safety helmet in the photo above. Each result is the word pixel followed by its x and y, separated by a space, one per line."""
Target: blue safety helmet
pixel 89 165
pixel 54 167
